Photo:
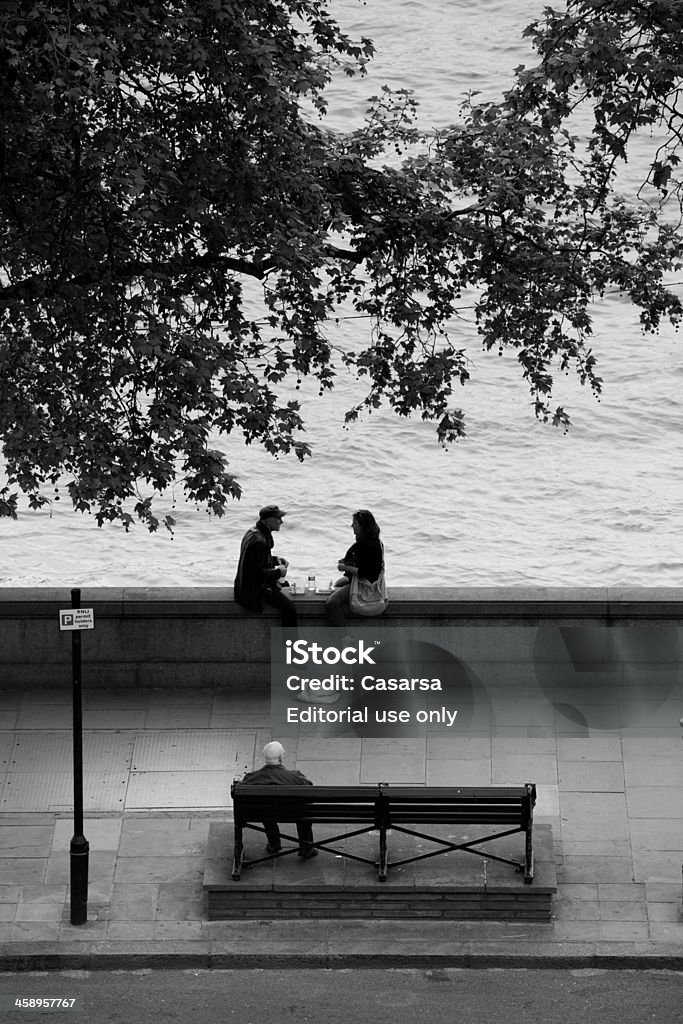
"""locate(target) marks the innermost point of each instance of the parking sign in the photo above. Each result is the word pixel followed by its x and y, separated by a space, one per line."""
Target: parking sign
pixel 76 618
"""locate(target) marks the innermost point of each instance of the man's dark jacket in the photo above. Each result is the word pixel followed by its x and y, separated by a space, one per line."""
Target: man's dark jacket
pixel 257 569
pixel 276 775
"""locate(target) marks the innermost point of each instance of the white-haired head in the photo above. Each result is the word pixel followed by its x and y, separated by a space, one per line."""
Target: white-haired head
pixel 273 752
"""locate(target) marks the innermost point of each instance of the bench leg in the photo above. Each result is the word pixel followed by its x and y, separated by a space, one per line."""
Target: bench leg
pixel 382 854
pixel 237 855
pixel 528 858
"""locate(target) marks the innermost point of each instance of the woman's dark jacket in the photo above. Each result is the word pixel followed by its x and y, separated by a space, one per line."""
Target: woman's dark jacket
pixel 256 569
pixel 368 558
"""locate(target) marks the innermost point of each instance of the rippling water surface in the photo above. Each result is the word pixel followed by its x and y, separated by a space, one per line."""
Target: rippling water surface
pixel 517 503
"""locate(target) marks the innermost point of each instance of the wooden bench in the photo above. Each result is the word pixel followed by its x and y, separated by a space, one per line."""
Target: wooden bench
pixel 348 805
pixel 477 806
pixel 382 808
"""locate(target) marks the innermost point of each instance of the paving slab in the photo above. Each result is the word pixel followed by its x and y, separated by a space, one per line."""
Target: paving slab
pixel 659 771
pixel 591 776
pixel 668 747
pixel 654 802
pixel 656 866
pixel 25 841
pixel 596 847
pixel 20 870
pixel 470 772
pixel 45 716
pixel 596 868
pixel 464 748
pixel 102 833
pixel 602 816
pixel 337 772
pixel 318 749
pixel 656 834
pixel 539 768
pixel 53 791
pixel 170 838
pixel 101 867
pixel 379 767
pixel 6 742
pixel 157 869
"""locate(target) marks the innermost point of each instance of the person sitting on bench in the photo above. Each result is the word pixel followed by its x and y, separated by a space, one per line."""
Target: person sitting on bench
pixel 274 773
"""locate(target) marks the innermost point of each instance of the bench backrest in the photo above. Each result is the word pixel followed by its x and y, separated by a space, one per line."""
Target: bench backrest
pixel 385 804
pixel 357 804
pixel 434 805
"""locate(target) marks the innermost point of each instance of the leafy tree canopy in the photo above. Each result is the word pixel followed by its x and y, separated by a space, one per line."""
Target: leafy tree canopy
pixel 157 158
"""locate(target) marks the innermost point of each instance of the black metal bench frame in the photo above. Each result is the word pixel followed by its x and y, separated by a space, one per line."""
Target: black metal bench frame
pixel 382 808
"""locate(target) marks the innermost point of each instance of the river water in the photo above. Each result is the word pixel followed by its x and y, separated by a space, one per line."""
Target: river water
pixel 517 503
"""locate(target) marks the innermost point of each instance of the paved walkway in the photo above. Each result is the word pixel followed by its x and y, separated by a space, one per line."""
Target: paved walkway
pixel 158 767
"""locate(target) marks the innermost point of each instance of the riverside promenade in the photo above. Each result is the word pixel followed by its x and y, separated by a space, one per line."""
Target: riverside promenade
pixel 158 766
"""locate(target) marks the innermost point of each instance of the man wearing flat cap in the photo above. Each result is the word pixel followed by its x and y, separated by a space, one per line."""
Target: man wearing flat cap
pixel 259 572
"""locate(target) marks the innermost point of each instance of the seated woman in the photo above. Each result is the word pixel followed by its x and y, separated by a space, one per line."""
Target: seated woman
pixel 365 559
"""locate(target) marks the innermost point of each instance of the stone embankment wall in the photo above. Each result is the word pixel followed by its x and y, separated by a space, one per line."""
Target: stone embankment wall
pixel 198 637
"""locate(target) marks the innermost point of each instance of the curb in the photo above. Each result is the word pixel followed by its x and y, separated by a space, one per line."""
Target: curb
pixel 568 956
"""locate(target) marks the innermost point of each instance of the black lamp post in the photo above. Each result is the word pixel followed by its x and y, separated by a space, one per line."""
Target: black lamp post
pixel 80 848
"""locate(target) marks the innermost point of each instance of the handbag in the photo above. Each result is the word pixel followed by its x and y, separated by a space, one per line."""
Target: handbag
pixel 366 598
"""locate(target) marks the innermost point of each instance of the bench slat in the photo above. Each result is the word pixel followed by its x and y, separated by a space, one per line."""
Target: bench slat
pixel 450 817
pixel 469 794
pixel 328 792
pixel 300 812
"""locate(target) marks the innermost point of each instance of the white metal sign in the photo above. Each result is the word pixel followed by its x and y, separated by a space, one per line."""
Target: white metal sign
pixel 76 618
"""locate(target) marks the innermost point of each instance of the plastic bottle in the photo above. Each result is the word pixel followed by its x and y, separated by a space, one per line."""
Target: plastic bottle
pixel 310 584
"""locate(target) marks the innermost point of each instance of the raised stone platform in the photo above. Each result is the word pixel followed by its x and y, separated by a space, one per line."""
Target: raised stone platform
pixel 454 885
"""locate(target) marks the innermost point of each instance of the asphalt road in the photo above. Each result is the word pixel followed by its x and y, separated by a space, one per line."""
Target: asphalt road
pixel 347 996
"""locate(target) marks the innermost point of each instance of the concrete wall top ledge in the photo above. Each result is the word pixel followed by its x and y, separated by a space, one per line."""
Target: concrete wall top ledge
pixel 406 602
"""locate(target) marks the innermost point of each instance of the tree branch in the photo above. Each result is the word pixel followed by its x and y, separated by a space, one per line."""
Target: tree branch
pixel 42 284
